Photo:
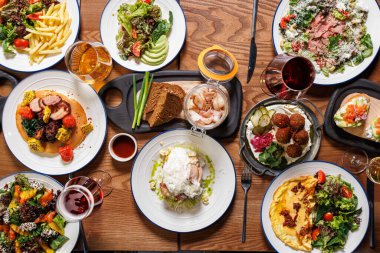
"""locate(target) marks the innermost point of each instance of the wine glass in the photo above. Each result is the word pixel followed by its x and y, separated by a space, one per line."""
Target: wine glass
pixel 287 77
pixel 82 194
pixel 356 161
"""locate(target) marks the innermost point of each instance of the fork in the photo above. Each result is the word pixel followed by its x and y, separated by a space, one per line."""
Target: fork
pixel 246 180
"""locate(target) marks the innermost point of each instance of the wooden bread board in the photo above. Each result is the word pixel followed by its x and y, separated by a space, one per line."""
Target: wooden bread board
pixel 122 115
pixel 353 137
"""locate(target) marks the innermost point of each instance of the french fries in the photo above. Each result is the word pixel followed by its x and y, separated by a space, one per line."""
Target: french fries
pixel 50 33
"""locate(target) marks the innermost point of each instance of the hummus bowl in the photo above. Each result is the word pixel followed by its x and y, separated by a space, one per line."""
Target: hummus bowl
pixel 251 156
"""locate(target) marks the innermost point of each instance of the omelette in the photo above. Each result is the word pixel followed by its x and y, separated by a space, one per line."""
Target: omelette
pixel 291 212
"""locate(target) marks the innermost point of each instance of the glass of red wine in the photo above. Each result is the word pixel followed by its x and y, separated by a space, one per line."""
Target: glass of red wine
pixel 82 194
pixel 287 77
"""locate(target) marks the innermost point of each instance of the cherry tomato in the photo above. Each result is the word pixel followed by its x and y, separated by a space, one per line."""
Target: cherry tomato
pixel 136 49
pixel 345 192
pixel 328 216
pixel 315 234
pixel 21 43
pixel 33 1
pixel 12 235
pixel 147 1
pixel 69 121
pixel 321 177
pixel 2 3
pixel 35 16
pixel 26 112
pixel 66 153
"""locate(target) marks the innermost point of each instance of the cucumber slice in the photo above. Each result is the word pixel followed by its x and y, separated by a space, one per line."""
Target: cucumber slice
pixel 258 130
pixel 256 117
pixel 271 113
pixel 263 110
pixel 264 120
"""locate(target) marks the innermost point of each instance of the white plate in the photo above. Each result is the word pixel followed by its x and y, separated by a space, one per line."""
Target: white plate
pixel 310 168
pixel 350 72
pixel 201 216
pixel 63 83
pixel 71 229
pixel 176 37
pixel 20 62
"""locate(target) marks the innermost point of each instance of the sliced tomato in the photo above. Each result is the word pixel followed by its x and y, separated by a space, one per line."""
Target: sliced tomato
pixel 33 1
pixel 328 216
pixel 321 177
pixel 147 1
pixel 345 192
pixel 136 49
pixel 315 234
pixel 35 16
pixel 66 153
pixel 134 33
pixel 21 43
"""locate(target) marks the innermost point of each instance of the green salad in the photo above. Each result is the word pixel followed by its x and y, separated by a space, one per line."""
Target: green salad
pixel 330 33
pixel 28 220
pixel 336 213
pixel 143 32
pixel 16 17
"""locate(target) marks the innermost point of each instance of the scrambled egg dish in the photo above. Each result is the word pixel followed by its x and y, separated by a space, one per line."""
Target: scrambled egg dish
pixel 290 212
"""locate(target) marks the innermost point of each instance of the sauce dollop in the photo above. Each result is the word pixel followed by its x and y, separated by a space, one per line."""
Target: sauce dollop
pixel 123 146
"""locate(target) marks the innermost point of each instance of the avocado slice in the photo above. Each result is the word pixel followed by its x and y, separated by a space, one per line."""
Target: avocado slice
pixel 153 61
pixel 157 50
pixel 156 55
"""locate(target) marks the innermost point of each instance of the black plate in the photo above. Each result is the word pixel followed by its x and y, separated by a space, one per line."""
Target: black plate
pixel 122 115
pixel 338 134
pixel 13 82
pixel 245 150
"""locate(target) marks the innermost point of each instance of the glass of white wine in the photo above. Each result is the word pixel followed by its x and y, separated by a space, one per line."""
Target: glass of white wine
pixel 356 161
pixel 89 62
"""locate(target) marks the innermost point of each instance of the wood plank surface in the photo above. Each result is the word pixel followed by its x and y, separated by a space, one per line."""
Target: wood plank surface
pixel 118 225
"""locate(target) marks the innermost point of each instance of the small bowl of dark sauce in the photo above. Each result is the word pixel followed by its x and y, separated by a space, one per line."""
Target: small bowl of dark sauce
pixel 122 147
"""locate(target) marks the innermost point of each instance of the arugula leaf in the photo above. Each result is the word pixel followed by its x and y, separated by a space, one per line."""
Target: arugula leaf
pixel 334 42
pixel 162 28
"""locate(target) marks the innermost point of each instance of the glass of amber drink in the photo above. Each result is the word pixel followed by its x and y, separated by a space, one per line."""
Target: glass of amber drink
pixel 89 62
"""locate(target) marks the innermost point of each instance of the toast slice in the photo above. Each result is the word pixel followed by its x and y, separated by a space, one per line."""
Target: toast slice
pixel 353 111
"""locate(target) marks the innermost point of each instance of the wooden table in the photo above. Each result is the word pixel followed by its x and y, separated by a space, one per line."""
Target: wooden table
pixel 118 225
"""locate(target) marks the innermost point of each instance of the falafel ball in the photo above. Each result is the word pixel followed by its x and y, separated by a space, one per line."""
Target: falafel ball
pixel 283 135
pixel 281 120
pixel 301 137
pixel 294 150
pixel 297 121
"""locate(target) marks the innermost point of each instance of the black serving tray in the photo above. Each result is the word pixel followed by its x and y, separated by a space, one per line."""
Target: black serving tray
pixel 13 81
pixel 246 154
pixel 122 115
pixel 338 134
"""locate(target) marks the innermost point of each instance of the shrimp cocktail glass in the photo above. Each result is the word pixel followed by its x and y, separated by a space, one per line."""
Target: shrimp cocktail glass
pixel 287 77
pixel 82 194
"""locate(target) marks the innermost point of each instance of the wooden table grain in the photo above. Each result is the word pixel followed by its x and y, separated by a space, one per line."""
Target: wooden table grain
pixel 118 224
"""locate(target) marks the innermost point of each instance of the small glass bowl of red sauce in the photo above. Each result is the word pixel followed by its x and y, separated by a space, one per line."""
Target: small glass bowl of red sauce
pixel 122 147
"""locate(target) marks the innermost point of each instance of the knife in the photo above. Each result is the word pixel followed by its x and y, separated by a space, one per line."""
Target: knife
pixel 253 48
pixel 370 195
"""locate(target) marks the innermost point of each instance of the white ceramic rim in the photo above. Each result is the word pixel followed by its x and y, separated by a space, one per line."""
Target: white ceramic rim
pixel 116 157
pixel 350 72
pixel 176 37
pixel 64 83
pixel 154 209
pixel 310 168
pixel 72 228
pixel 20 62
